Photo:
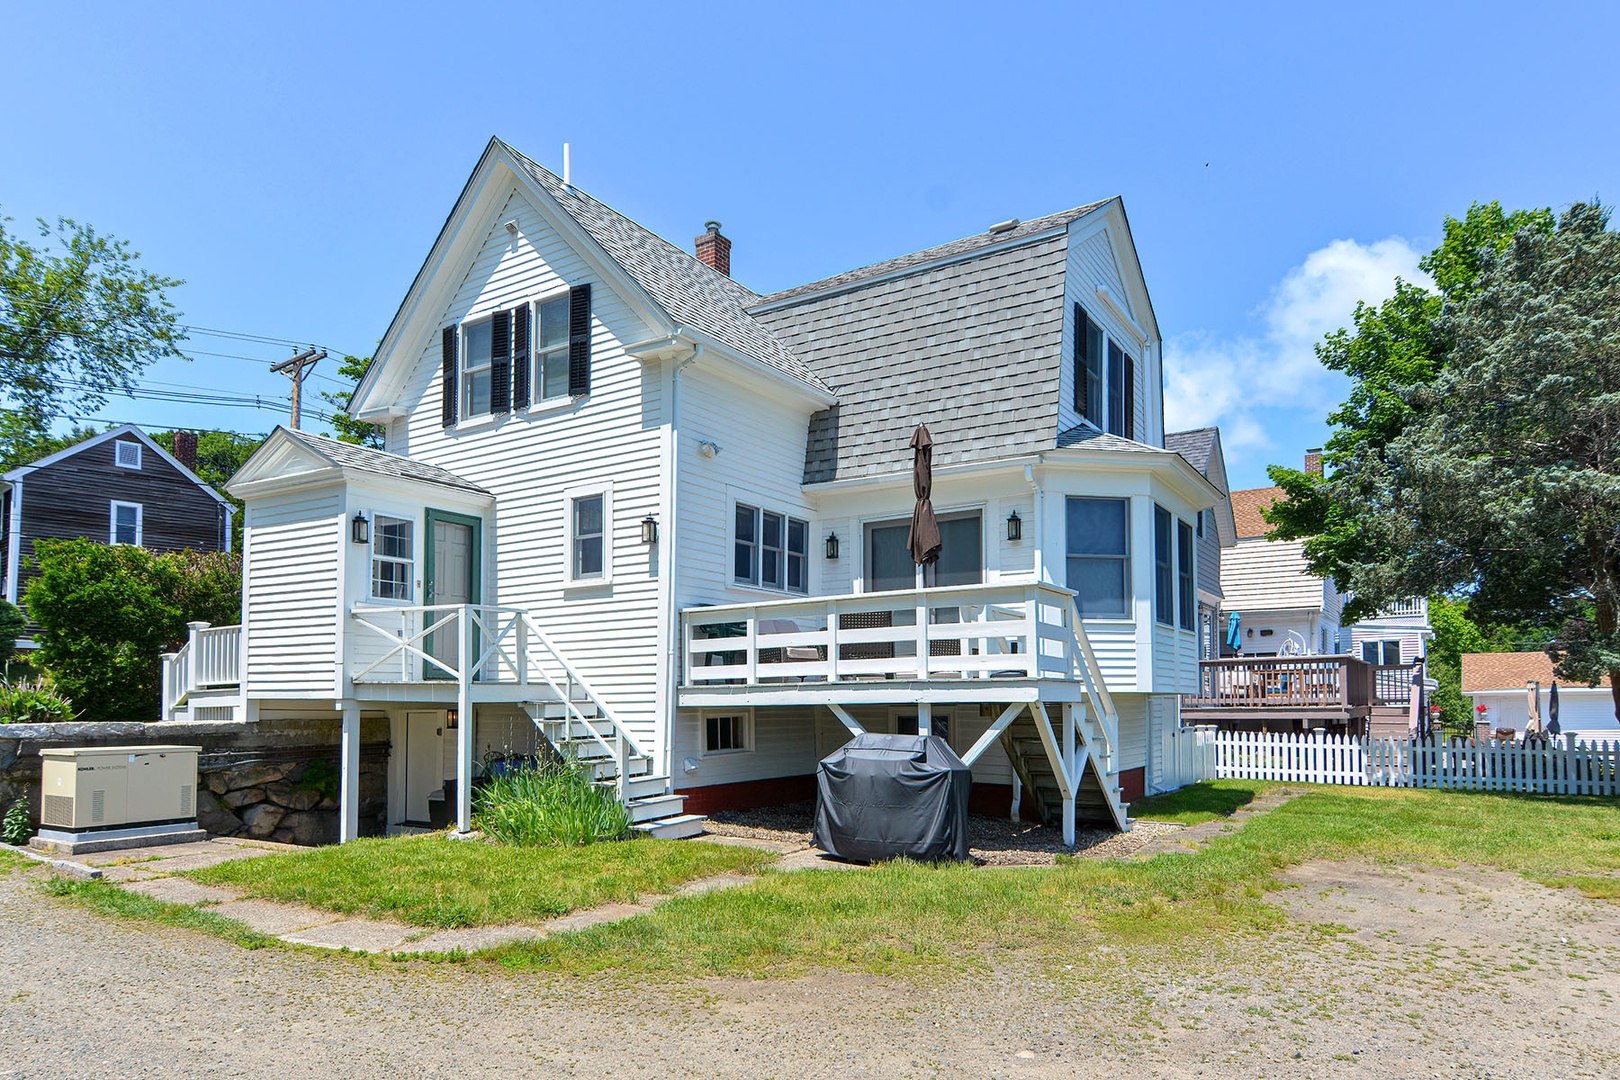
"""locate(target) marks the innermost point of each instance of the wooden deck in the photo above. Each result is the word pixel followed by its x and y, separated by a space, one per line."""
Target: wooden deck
pixel 1290 692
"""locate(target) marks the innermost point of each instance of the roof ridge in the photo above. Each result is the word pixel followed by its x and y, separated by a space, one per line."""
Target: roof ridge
pixel 919 260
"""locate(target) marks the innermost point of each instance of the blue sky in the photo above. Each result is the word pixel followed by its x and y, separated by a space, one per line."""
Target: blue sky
pixel 293 162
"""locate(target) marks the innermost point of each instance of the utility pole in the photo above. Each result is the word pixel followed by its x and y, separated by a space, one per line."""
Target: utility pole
pixel 295 369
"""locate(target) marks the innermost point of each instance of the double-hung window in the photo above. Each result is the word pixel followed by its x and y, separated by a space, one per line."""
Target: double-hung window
pixel 1164 541
pixel 393 553
pixel 1119 394
pixel 1088 367
pixel 588 537
pixel 551 349
pixel 477 366
pixel 124 524
pixel 1185 595
pixel 1099 563
pixel 770 550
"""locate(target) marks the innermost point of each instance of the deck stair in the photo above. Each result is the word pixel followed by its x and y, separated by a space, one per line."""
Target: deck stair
pixel 579 731
pixel 1097 795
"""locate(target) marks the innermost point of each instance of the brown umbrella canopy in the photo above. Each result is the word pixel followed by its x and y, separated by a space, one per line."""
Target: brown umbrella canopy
pixel 924 540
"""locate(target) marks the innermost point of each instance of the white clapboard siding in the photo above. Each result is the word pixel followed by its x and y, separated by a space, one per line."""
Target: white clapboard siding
pixel 1175 659
pixel 1559 767
pixel 1133 730
pixel 1114 642
pixel 1268 575
pixel 529 460
pixel 292 545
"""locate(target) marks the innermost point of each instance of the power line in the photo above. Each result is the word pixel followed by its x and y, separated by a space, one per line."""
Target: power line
pixel 191 354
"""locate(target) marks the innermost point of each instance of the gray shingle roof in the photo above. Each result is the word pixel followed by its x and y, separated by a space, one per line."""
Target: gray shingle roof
pixel 1196 446
pixel 1088 437
pixel 365 459
pixel 973 348
pixel 964 246
pixel 688 289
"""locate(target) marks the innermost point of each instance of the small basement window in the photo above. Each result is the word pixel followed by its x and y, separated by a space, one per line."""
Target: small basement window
pixel 725 733
pixel 393 553
pixel 124 526
pixel 126 455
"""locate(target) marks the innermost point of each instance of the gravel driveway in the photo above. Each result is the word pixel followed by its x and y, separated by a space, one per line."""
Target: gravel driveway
pixel 1523 984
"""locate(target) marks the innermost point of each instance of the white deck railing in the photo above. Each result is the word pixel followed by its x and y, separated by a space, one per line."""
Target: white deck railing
pixel 1018 630
pixel 210 660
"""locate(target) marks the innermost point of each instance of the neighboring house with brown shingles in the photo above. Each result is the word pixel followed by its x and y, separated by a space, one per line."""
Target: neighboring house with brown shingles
pixel 1499 681
pixel 119 487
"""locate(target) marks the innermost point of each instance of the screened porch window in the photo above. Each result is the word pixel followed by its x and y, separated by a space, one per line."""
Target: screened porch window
pixel 1184 576
pixel 1099 562
pixel 1164 541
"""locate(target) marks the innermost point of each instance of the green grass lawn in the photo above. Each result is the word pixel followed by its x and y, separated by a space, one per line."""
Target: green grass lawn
pixel 431 881
pixel 906 917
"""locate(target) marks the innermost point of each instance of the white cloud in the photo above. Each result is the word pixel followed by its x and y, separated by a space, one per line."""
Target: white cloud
pixel 1236 381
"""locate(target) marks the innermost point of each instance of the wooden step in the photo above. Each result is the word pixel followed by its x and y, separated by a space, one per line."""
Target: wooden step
pixel 672 828
pixel 639 787
pixel 652 807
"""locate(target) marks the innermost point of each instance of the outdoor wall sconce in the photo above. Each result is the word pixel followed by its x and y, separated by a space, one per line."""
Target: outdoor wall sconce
pixel 452 719
pixel 649 530
pixel 832 546
pixel 708 449
pixel 360 528
pixel 1015 526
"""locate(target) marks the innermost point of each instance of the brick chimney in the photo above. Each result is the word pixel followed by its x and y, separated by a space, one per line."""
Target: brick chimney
pixel 714 249
pixel 1313 461
pixel 185 449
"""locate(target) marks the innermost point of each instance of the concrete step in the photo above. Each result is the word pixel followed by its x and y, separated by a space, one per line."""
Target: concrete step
pixel 672 828
pixel 653 807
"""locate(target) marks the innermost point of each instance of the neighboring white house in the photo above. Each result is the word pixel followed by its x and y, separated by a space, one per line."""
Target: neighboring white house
pixel 1282 608
pixel 1399 634
pixel 1216 530
pixel 1499 681
pixel 661 518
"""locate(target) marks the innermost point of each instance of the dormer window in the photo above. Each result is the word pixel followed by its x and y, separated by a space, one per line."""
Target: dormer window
pixel 126 455
pixel 1104 379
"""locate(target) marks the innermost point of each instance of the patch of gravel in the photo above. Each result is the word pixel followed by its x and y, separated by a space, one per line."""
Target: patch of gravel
pixel 994 841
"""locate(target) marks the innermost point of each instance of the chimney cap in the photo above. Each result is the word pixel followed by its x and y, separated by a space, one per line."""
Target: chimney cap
pixel 712 226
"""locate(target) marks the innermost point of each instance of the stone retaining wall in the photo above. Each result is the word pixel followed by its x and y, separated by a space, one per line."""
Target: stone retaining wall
pixel 263 779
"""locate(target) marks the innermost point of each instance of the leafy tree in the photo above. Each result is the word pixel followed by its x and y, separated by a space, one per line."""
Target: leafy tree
pixel 1351 530
pixel 1504 483
pixel 12 624
pixel 26 437
pixel 1455 633
pixel 219 455
pixel 106 613
pixel 78 323
pixel 346 427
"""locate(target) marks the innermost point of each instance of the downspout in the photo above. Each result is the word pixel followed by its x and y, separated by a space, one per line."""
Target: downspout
pixel 668 557
pixel 14 543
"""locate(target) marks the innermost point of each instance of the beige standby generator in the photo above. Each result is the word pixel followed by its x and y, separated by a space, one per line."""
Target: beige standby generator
pixel 101 797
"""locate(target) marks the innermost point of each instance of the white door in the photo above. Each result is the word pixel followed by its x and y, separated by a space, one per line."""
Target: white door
pixel 450 581
pixel 424 761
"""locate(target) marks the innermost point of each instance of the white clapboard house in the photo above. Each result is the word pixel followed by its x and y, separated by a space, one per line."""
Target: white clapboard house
pixel 632 507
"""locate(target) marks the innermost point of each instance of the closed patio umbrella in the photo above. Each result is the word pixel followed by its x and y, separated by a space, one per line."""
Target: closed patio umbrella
pixel 923 541
pixel 1532 694
pixel 1553 727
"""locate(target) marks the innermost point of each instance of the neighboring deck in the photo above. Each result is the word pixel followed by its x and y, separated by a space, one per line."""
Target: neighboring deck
pixel 1337 691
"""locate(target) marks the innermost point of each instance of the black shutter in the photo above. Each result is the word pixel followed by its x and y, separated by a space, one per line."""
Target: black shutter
pixel 579 340
pixel 500 365
pixel 1130 398
pixel 520 357
pixel 448 349
pixel 1080 387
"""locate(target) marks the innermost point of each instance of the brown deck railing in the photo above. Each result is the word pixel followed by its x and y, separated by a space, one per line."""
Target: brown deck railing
pixel 1393 684
pixel 1282 682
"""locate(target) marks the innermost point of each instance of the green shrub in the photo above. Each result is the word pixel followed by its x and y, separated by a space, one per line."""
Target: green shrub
pixel 106 613
pixel 550 804
pixel 17 828
pixel 35 702
pixel 11 628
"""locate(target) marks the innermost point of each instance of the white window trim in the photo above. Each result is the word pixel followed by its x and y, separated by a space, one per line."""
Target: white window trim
pixel 112 522
pixel 536 403
pixel 989 540
pixel 762 507
pixel 464 416
pixel 1128 617
pixel 746 715
pixel 372 556
pixel 570 496
pixel 119 446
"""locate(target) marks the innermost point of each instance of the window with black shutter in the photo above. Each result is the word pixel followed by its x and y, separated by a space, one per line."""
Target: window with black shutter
pixel 579 340
pixel 520 357
pixel 1088 367
pixel 1130 398
pixel 448 385
pixel 500 363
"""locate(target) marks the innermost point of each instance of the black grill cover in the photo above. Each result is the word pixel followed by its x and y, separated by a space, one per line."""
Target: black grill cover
pixel 886 796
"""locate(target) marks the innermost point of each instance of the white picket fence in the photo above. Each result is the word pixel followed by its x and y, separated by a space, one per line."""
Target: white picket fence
pixel 1186 756
pixel 1563 767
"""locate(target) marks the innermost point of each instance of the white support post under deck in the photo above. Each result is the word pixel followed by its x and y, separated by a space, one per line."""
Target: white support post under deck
pixel 925 718
pixel 464 719
pixel 349 774
pixel 846 718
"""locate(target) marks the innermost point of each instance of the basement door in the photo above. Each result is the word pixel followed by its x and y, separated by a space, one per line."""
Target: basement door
pixel 424 762
pixel 450 577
